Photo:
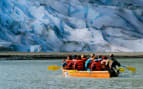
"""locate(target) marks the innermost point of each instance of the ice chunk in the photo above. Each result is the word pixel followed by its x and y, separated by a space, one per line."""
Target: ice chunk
pixel 35 48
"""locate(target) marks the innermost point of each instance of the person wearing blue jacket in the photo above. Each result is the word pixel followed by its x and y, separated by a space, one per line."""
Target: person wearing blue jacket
pixel 89 61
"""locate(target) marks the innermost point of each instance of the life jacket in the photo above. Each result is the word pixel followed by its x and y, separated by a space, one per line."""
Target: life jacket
pixel 69 64
pixel 96 66
pixel 104 62
pixel 104 65
pixel 93 66
pixel 78 65
pixel 84 59
pixel 103 57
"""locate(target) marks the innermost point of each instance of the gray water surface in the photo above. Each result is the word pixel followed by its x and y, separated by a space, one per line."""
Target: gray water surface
pixel 33 74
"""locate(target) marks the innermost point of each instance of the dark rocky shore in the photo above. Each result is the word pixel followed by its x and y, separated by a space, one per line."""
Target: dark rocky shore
pixel 62 55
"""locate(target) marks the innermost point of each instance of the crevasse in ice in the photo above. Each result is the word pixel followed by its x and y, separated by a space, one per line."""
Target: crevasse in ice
pixel 71 25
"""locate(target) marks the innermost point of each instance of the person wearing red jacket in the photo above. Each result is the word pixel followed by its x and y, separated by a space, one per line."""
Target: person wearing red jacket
pixel 83 57
pixel 78 64
pixel 96 65
pixel 68 63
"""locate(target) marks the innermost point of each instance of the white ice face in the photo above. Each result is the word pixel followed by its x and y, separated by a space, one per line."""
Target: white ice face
pixel 71 25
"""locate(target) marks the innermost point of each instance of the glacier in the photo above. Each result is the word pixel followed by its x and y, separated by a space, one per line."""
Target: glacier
pixel 71 25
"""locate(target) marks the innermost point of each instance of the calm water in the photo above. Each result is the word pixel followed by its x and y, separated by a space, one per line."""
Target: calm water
pixel 33 74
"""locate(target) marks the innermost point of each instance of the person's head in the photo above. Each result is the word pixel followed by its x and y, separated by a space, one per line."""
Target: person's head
pixel 75 56
pixel 78 57
pixel 104 58
pixel 92 55
pixel 111 55
pixel 82 56
pixel 99 56
pixel 69 57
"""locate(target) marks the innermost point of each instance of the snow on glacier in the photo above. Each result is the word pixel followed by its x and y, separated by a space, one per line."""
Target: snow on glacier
pixel 75 25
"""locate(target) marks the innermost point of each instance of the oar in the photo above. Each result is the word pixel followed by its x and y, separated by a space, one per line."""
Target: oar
pixel 54 67
pixel 121 69
pixel 130 68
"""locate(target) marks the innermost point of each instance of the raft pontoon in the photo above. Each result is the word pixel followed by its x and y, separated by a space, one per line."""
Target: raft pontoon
pixel 89 74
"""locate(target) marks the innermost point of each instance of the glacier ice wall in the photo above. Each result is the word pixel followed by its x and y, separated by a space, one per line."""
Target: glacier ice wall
pixel 71 25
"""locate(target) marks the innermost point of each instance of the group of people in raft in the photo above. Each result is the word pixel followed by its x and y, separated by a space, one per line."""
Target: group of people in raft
pixel 93 63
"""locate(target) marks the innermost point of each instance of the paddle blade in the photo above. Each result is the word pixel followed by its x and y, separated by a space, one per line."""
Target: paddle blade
pixel 121 69
pixel 54 67
pixel 131 69
pixel 51 67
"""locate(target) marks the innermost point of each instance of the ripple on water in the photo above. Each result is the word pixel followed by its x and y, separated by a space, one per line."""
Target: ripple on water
pixel 34 75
